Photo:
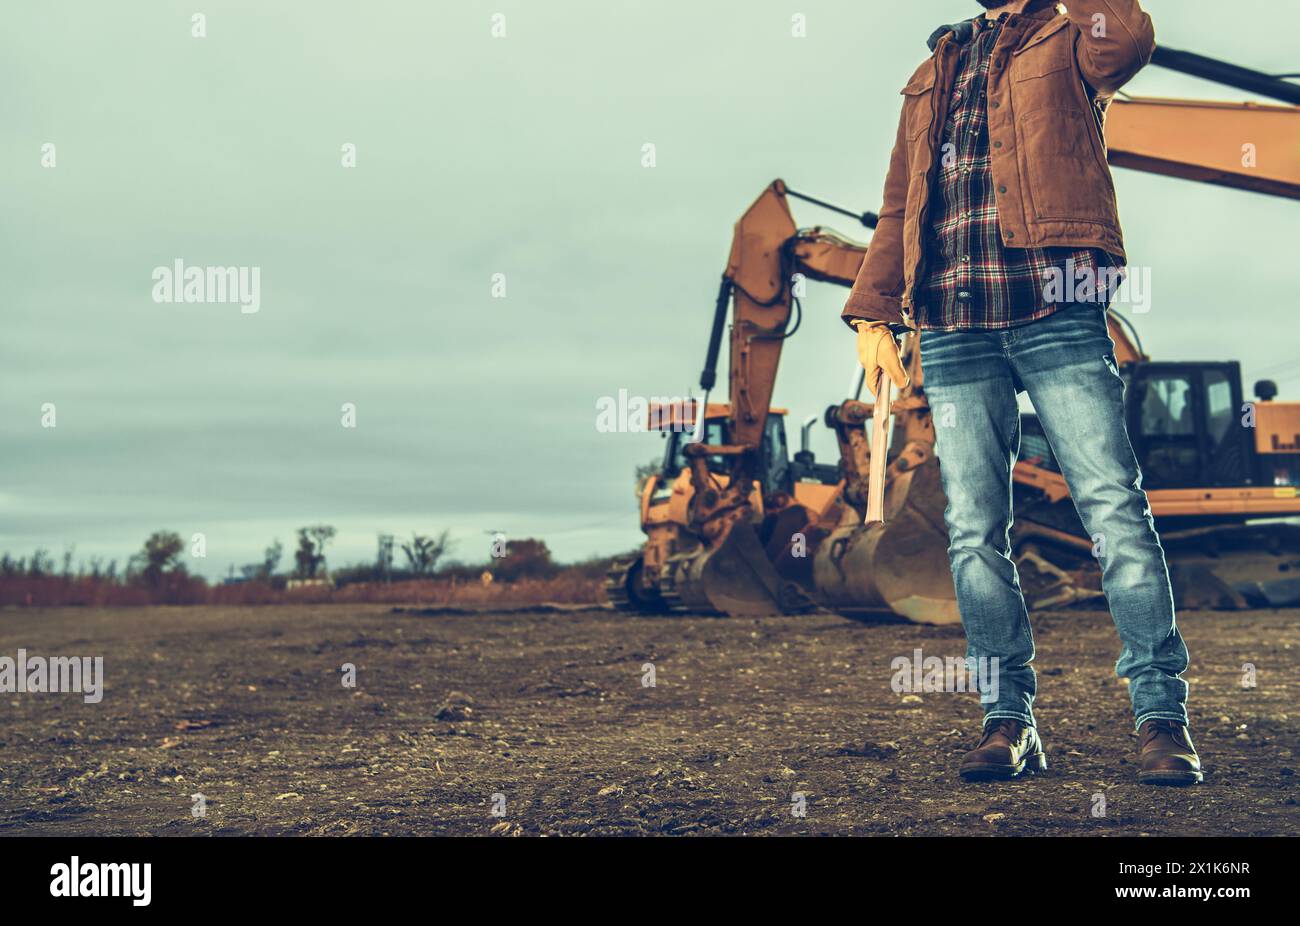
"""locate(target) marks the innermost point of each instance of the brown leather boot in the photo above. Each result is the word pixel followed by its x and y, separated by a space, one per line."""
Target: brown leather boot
pixel 1167 755
pixel 1007 748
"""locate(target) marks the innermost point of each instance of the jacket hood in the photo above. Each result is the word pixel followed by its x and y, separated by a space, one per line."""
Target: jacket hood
pixel 961 33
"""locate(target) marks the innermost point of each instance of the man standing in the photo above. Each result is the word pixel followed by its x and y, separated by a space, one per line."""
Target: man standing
pixel 998 190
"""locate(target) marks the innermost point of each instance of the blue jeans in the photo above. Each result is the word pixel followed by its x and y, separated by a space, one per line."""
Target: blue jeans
pixel 1066 363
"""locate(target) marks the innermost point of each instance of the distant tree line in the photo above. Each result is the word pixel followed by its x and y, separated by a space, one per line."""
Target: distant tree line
pixel 158 572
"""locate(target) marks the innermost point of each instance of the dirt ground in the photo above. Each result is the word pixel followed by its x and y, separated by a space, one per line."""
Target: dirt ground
pixel 544 716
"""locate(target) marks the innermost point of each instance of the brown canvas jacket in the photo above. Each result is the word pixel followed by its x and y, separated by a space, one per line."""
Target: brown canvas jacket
pixel 1051 80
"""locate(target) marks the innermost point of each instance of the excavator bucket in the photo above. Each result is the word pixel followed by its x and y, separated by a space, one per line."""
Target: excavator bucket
pixel 899 566
pixel 735 577
pixel 1229 567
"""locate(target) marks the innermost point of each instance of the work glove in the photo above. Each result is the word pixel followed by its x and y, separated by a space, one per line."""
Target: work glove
pixel 877 352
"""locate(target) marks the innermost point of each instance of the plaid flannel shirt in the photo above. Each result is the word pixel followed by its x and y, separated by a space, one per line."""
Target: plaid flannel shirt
pixel 971 280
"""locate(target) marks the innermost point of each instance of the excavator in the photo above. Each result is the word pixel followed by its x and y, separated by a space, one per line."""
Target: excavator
pixel 736 525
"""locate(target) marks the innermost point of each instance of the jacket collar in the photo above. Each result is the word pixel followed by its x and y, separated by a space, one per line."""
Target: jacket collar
pixel 1044 9
pixel 963 31
pixel 1038 9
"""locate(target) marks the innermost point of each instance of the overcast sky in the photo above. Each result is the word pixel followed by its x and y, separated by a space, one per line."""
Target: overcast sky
pixel 475 156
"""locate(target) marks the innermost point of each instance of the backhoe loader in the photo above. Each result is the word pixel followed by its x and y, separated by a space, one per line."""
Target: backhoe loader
pixel 736 525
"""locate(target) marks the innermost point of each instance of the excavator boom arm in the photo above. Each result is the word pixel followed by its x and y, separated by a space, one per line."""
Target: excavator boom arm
pixel 1245 146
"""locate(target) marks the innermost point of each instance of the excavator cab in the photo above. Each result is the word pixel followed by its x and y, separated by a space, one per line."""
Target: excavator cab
pixel 715 432
pixel 776 472
pixel 1184 423
pixel 1191 427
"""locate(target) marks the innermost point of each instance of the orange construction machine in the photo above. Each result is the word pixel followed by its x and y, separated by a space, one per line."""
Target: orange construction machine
pixel 736 524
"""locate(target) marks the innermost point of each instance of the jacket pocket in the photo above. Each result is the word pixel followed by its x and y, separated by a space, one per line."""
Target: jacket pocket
pixel 918 103
pixel 1067 180
pixel 1046 53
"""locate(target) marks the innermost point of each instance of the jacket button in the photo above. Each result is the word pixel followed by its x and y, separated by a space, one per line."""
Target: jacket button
pixel 1002 189
pixel 997 144
pixel 1010 235
pixel 997 105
